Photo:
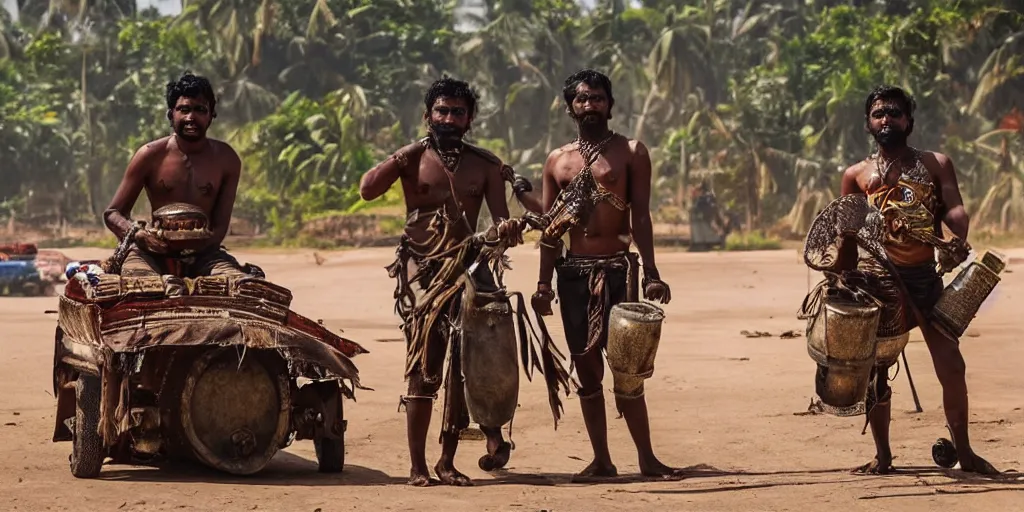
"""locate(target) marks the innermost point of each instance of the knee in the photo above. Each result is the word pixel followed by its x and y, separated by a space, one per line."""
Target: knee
pixel 590 370
pixel 419 386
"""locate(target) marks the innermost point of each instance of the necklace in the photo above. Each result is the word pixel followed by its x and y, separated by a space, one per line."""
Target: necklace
pixel 885 166
pixel 450 158
pixel 590 150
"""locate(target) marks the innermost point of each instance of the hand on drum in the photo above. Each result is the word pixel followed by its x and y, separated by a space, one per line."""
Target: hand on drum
pixel 150 242
pixel 657 290
pixel 541 301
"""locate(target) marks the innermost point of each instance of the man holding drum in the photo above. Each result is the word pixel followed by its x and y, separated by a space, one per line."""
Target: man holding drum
pixel 186 169
pixel 915 191
pixel 446 182
pixel 602 181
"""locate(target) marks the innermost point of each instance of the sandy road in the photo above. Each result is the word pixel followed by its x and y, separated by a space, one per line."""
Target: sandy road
pixel 722 403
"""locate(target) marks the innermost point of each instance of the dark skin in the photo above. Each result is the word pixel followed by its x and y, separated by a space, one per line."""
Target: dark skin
pixel 160 169
pixel 950 367
pixel 426 187
pixel 624 169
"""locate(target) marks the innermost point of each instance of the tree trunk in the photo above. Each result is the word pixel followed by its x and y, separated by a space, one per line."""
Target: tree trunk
pixel 651 94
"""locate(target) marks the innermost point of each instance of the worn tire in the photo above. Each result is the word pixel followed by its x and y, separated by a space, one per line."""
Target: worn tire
pixel 87 451
pixel 330 454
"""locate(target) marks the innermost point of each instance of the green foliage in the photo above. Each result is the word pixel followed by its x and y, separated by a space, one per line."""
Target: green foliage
pixel 751 241
pixel 762 99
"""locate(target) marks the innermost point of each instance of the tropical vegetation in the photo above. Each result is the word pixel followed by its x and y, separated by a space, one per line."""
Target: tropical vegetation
pixel 763 99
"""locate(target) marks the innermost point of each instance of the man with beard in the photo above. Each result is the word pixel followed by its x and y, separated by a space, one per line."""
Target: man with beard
pixel 185 167
pixel 916 191
pixel 615 172
pixel 445 182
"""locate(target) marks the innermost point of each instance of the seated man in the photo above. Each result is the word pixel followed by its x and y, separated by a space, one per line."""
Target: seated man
pixel 185 167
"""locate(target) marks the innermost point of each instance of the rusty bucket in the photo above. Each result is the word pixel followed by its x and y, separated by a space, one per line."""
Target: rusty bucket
pixel 634 333
pixel 841 338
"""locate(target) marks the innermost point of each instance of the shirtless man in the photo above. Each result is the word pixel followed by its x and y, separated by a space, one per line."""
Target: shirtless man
pixel 430 171
pixel 185 167
pixel 599 256
pixel 925 186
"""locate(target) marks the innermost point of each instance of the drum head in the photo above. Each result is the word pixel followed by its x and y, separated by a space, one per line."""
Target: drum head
pixel 235 410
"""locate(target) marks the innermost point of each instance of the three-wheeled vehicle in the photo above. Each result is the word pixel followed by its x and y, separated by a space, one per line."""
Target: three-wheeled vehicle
pixel 213 369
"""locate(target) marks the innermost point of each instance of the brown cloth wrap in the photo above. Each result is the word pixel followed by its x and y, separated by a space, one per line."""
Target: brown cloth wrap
pixel 592 285
pixel 431 320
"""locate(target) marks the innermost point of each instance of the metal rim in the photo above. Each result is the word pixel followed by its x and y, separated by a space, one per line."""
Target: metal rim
pixel 254 464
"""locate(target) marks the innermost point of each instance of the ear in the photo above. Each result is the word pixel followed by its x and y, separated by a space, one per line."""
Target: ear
pixel 170 115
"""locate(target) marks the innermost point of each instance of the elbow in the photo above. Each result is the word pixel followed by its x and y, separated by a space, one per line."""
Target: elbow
pixel 366 191
pixel 369 188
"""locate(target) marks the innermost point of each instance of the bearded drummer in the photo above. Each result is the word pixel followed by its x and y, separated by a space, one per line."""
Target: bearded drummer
pixel 445 182
pixel 919 188
pixel 592 276
pixel 184 167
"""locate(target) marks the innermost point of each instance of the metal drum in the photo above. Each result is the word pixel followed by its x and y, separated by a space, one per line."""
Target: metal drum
pixel 841 338
pixel 634 333
pixel 963 297
pixel 889 349
pixel 489 361
pixel 235 409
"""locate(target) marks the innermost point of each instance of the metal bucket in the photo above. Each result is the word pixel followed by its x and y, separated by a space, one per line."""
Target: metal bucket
pixel 889 349
pixel 235 409
pixel 841 338
pixel 634 333
pixel 961 300
pixel 490 364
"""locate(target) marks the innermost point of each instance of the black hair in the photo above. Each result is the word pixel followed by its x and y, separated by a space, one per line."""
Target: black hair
pixel 894 94
pixel 594 79
pixel 190 86
pixel 449 87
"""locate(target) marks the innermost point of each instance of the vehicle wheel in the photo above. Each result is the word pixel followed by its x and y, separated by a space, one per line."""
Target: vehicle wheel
pixel 330 453
pixel 87 452
pixel 30 290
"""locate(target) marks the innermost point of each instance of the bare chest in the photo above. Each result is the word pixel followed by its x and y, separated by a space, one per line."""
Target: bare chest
pixel 193 180
pixel 433 184
pixel 610 170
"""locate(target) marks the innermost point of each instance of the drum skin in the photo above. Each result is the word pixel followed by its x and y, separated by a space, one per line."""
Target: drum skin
pixel 490 362
pixel 235 409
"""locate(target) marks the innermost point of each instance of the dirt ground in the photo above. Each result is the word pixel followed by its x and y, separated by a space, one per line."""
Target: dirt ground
pixel 727 405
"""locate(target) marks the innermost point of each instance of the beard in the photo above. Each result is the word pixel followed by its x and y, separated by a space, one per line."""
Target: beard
pixel 591 122
pixel 192 132
pixel 447 135
pixel 890 137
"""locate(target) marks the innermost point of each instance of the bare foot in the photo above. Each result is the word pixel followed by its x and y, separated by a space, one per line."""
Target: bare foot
pixel 975 464
pixel 656 468
pixel 496 458
pixel 420 479
pixel 448 475
pixel 596 470
pixel 880 465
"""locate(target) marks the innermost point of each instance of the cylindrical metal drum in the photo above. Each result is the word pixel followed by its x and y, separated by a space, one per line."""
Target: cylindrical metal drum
pixel 235 409
pixel 634 333
pixel 841 338
pixel 889 349
pixel 490 362
pixel 961 300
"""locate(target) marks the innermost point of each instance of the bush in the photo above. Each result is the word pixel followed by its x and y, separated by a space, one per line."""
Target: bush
pixel 752 241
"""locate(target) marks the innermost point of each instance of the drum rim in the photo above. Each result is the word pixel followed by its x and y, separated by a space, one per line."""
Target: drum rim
pixel 196 370
pixel 647 311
